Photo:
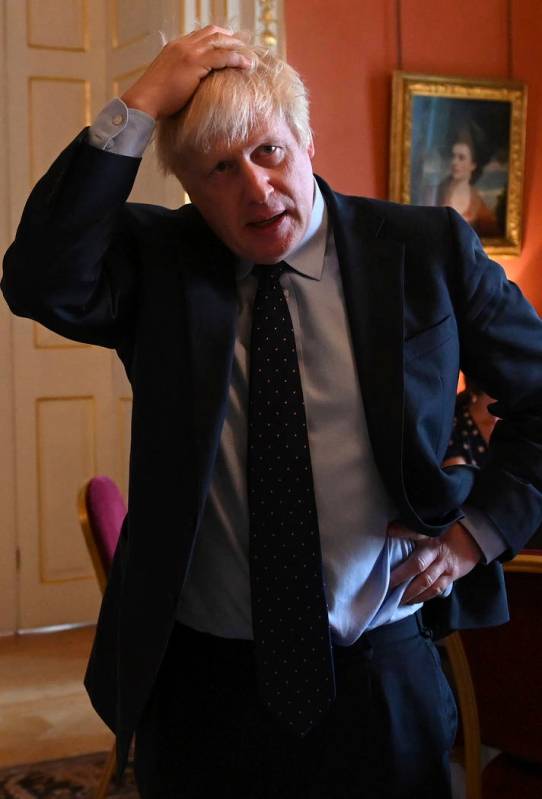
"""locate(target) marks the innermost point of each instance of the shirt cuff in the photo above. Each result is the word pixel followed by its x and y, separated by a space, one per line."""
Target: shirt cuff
pixel 484 533
pixel 121 130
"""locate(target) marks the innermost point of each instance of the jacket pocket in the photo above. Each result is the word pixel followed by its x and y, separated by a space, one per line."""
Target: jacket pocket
pixel 429 339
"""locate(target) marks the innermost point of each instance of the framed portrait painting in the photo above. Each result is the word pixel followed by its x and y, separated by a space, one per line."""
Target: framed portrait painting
pixel 461 142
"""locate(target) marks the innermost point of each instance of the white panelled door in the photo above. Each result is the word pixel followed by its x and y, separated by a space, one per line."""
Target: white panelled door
pixel 71 402
pixel 56 77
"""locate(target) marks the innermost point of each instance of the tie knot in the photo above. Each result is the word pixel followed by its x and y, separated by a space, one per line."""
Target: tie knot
pixel 269 272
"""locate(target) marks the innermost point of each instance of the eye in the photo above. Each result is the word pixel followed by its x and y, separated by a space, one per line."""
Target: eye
pixel 270 154
pixel 221 166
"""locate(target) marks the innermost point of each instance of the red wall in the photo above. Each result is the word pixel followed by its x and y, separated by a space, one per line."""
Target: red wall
pixel 346 52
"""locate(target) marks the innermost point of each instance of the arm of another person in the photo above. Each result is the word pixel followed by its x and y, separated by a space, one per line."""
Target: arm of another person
pixel 73 264
pixel 454 455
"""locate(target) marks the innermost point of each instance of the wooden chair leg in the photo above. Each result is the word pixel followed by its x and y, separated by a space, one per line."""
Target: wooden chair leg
pixel 468 712
pixel 107 775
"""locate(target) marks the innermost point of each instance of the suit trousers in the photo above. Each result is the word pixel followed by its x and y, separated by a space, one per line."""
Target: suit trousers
pixel 204 732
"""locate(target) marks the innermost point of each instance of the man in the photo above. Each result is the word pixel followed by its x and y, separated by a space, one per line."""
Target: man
pixel 294 356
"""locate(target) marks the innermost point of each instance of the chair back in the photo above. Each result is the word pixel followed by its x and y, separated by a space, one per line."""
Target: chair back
pixel 505 665
pixel 101 512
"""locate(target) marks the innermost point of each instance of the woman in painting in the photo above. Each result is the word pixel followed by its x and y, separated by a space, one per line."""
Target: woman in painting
pixel 457 190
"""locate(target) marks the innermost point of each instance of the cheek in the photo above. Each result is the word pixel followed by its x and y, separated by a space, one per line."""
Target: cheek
pixel 302 191
pixel 220 218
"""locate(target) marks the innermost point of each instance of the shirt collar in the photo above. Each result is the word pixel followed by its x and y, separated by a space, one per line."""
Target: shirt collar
pixel 308 257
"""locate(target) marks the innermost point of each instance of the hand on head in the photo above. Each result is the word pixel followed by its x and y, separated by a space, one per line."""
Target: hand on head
pixel 171 79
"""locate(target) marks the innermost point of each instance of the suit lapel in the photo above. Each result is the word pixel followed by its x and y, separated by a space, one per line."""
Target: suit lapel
pixel 373 280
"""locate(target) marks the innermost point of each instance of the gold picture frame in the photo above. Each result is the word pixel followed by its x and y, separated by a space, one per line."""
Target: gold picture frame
pixel 461 142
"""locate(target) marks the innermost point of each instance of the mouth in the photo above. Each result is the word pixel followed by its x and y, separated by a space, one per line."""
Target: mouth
pixel 269 221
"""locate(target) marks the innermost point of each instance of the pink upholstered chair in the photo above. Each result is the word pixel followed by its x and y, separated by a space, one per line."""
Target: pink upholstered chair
pixel 101 512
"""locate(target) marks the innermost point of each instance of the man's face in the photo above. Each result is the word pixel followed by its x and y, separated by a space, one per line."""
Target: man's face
pixel 257 195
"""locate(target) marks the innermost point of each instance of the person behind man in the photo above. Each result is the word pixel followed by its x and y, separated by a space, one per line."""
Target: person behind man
pixel 472 428
pixel 293 355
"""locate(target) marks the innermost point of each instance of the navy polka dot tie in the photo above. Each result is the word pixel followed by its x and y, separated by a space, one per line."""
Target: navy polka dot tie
pixel 289 611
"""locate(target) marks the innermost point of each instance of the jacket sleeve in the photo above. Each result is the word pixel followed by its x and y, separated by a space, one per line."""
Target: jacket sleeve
pixel 73 264
pixel 501 348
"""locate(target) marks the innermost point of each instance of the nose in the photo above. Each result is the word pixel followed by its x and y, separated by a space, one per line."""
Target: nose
pixel 257 183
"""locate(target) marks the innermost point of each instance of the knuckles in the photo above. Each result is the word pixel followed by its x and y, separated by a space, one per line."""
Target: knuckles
pixel 426 581
pixel 423 558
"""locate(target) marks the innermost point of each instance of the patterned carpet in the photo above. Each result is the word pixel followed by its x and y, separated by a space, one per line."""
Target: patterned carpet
pixel 70 778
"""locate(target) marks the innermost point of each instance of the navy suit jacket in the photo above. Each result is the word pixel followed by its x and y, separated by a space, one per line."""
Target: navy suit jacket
pixel 423 301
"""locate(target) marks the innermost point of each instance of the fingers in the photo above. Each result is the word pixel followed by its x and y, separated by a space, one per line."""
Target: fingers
pixel 426 570
pixel 413 597
pixel 223 57
pixel 429 583
pixel 221 49
pixel 220 42
pixel 212 37
pixel 420 560
pixel 434 563
pixel 214 47
pixel 208 30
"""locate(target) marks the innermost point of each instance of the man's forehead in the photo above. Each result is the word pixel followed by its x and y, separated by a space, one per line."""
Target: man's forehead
pixel 263 130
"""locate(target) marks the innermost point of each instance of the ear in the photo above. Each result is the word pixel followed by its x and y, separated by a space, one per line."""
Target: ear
pixel 310 149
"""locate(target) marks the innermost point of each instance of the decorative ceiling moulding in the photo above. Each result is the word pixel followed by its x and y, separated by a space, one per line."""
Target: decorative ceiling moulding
pixel 43 38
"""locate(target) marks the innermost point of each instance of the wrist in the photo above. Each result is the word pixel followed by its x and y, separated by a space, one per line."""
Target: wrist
pixel 139 102
pixel 468 542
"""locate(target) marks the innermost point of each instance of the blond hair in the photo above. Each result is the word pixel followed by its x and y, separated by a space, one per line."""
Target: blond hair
pixel 230 103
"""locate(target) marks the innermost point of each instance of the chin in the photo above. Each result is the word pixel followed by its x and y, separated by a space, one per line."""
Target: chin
pixel 266 255
pixel 271 248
